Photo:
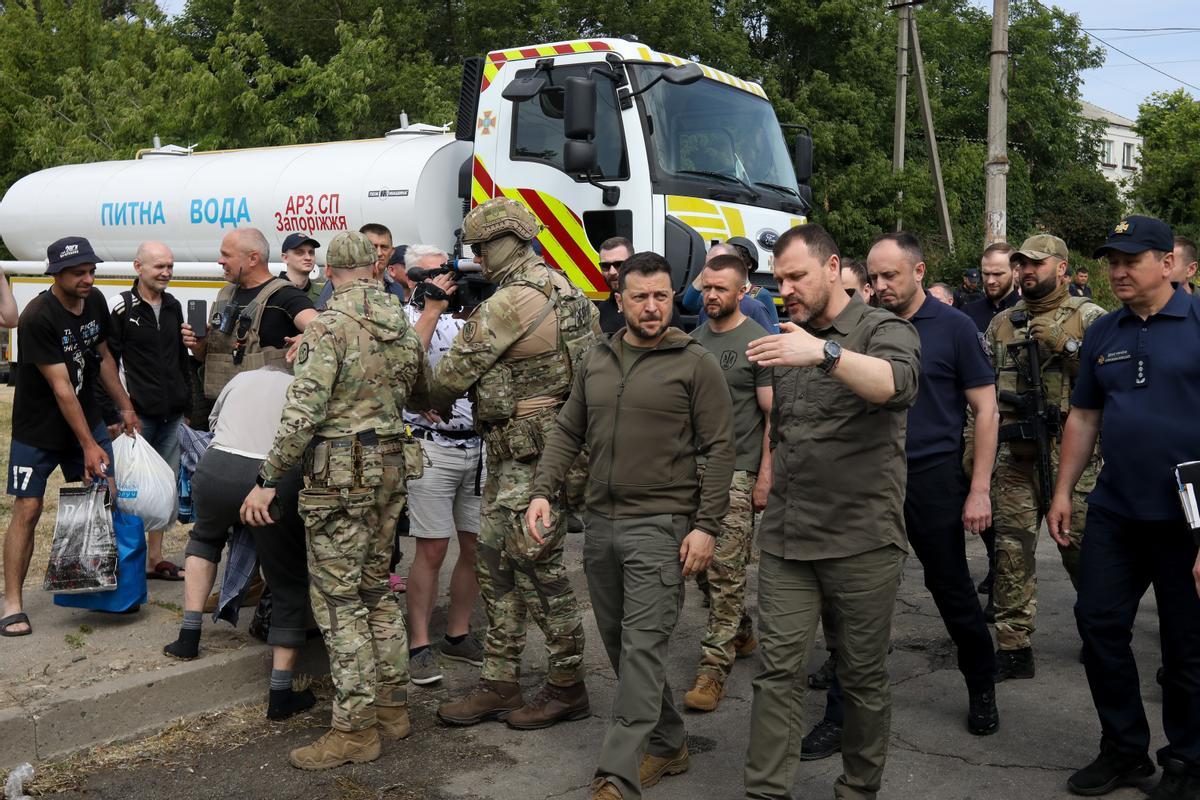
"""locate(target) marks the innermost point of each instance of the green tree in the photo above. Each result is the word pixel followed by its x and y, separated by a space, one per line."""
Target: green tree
pixel 1168 182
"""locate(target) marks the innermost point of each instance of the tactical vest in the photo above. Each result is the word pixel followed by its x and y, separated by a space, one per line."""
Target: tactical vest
pixel 1058 370
pixel 229 354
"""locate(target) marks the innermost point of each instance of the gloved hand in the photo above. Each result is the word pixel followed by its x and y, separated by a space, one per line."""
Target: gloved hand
pixel 1049 334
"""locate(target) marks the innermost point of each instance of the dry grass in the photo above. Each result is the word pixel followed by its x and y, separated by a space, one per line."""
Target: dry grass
pixel 173 541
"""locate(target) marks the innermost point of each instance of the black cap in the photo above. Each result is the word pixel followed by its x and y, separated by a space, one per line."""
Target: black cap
pixel 398 255
pixel 1137 234
pixel 972 274
pixel 751 252
pixel 295 240
pixel 69 251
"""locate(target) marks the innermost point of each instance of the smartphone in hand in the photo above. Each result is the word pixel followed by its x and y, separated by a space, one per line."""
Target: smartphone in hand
pixel 197 317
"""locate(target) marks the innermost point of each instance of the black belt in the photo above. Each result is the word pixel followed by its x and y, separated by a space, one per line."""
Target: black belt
pixel 457 436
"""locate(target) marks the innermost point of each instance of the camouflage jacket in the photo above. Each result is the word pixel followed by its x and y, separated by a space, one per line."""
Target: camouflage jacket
pixel 359 364
pixel 494 327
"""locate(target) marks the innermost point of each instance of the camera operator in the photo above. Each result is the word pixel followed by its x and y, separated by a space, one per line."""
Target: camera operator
pixel 445 501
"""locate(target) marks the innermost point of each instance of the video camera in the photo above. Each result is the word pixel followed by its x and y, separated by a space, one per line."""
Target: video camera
pixel 472 288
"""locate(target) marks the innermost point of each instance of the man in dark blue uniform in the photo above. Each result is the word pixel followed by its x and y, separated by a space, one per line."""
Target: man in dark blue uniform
pixel 1139 375
pixel 999 285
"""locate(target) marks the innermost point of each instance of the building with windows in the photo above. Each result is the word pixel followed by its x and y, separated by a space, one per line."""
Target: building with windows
pixel 1120 147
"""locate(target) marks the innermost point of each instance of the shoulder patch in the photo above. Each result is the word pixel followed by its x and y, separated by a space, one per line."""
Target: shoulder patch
pixel 302 355
pixel 984 345
pixel 471 331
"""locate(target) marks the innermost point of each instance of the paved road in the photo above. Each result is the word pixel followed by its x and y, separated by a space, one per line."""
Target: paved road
pixel 1048 728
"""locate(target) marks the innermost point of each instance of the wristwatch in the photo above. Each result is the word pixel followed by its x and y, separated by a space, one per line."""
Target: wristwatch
pixel 1071 347
pixel 259 480
pixel 833 354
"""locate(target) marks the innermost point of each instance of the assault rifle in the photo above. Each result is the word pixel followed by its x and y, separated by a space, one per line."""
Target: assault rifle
pixel 1038 421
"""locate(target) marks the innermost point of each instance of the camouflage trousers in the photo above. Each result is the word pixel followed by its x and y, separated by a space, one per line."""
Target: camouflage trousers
pixel 726 580
pixel 350 534
pixel 518 579
pixel 1017 522
pixel 576 485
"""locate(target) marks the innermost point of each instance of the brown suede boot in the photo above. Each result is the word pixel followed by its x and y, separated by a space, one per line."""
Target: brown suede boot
pixel 603 789
pixel 654 768
pixel 552 704
pixel 336 748
pixel 744 643
pixel 393 721
pixel 486 700
pixel 705 694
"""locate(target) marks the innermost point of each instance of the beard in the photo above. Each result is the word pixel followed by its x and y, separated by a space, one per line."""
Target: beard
pixel 1001 291
pixel 720 310
pixel 806 312
pixel 642 332
pixel 1040 289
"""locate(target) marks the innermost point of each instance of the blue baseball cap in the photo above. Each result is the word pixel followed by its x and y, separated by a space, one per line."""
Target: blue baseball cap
pixel 69 251
pixel 1137 234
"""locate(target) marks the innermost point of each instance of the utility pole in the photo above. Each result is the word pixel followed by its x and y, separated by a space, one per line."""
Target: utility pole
pixel 901 97
pixel 935 162
pixel 996 169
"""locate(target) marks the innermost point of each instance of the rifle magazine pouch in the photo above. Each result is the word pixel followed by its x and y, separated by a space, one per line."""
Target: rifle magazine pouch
pixel 495 397
pixel 524 439
pixel 414 459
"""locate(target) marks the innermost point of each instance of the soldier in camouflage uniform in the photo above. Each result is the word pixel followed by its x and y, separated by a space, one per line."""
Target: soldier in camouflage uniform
pixel 1048 313
pixel 516 356
pixel 357 366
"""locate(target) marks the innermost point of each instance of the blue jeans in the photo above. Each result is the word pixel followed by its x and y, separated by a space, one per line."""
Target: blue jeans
pixel 1121 558
pixel 163 435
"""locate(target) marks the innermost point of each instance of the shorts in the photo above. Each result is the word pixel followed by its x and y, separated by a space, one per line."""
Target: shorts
pixel 448 496
pixel 30 467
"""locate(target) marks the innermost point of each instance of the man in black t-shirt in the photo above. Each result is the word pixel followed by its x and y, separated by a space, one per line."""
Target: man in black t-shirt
pixel 287 310
pixel 62 354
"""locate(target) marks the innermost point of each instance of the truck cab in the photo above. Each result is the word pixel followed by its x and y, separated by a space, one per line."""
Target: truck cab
pixel 608 137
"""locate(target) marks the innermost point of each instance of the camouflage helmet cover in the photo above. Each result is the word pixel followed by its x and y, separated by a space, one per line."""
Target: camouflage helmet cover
pixel 350 250
pixel 498 216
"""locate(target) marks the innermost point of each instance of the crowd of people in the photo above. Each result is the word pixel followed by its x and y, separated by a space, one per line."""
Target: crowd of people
pixel 339 410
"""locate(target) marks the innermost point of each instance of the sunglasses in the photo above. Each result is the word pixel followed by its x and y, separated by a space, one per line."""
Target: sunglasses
pixel 611 264
pixel 477 249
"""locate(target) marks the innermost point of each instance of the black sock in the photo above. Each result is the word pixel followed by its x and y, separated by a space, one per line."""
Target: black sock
pixel 415 651
pixel 457 639
pixel 187 646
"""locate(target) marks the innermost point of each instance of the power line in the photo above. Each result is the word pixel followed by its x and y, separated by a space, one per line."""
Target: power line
pixel 1140 61
pixel 1140 30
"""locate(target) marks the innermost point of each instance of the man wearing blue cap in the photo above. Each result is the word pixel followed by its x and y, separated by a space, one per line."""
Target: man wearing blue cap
pixel 1139 376
pixel 62 353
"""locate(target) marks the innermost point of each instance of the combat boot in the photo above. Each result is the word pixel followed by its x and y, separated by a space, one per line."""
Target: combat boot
pixel 393 721
pixel 822 679
pixel 1111 769
pixel 1179 782
pixel 744 643
pixel 1017 664
pixel 604 789
pixel 654 768
pixel 486 700
pixel 336 748
pixel 705 694
pixel 552 704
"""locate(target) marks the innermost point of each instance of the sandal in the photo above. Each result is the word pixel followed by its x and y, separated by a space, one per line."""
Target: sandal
pixel 165 571
pixel 14 619
pixel 398 584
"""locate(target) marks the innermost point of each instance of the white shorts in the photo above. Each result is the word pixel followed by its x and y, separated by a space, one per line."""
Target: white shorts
pixel 444 499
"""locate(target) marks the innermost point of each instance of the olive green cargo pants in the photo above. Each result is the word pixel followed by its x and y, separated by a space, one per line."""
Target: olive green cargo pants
pixel 861 593
pixel 635 582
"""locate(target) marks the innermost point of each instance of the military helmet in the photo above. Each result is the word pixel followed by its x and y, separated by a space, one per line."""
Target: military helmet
pixel 350 250
pixel 498 216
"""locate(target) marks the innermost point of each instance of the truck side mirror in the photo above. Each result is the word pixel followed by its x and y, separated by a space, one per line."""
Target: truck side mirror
pixel 579 158
pixel 579 108
pixel 802 157
pixel 524 89
pixel 683 74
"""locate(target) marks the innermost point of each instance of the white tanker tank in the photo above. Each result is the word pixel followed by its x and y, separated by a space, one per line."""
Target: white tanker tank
pixel 407 180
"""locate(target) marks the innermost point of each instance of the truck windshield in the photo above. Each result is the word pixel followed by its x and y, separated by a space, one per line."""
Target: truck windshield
pixel 709 137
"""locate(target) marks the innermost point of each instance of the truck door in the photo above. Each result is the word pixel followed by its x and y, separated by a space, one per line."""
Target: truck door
pixel 529 167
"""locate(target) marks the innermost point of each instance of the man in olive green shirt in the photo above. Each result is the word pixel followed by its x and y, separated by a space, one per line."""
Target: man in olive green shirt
pixel 648 403
pixel 845 376
pixel 727 334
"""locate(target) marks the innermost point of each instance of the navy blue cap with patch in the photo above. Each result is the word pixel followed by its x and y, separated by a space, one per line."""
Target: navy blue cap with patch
pixel 294 240
pixel 1137 234
pixel 972 274
pixel 69 251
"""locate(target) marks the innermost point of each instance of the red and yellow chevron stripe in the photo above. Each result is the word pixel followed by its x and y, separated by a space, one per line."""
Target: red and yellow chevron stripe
pixel 565 246
pixel 498 58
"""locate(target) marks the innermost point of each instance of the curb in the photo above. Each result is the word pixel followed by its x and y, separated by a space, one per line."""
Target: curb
pixel 131 705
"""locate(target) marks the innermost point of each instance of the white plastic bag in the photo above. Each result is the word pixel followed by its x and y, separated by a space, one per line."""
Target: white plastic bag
pixel 146 485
